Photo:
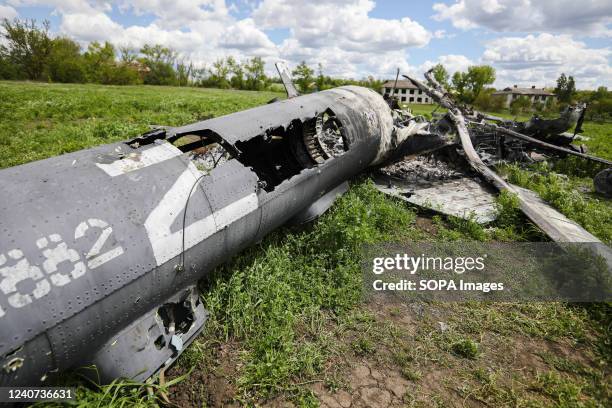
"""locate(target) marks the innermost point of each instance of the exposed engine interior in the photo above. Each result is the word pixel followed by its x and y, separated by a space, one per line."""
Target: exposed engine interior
pixel 281 153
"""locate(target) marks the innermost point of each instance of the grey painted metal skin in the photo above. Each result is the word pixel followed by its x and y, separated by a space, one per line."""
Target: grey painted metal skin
pixel 465 197
pixel 91 241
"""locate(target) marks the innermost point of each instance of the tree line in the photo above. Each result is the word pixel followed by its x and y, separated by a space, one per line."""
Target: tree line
pixel 471 87
pixel 29 52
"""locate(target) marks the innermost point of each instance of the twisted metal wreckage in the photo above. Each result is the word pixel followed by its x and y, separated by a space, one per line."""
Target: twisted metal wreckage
pixel 101 249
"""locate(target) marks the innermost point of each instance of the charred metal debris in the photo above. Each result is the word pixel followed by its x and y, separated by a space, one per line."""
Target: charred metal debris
pixel 495 140
pixel 481 140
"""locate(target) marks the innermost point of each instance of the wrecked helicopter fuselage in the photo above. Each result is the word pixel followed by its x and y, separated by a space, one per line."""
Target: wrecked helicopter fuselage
pixel 101 249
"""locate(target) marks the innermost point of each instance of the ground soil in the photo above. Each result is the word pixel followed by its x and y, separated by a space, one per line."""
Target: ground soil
pixel 376 380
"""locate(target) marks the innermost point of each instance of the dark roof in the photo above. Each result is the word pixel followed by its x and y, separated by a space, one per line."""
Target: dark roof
pixel 524 91
pixel 401 84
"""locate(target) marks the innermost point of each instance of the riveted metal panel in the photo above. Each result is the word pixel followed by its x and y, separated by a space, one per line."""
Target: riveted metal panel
pixel 77 207
pixel 92 240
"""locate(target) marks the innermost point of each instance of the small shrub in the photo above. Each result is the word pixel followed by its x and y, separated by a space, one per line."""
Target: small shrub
pixel 508 209
pixel 520 105
pixel 466 348
pixel 363 346
pixel 410 374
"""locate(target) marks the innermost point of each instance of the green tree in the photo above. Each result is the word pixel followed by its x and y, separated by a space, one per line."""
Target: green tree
pixel 99 61
pixel 372 82
pixel 303 76
pixel 600 93
pixel 122 74
pixel 498 103
pixel 27 46
pixel 600 109
pixel 441 75
pixel 460 85
pixel 127 55
pixel 566 88
pixel 102 66
pixel 478 77
pixel 521 104
pixel 485 100
pixel 66 64
pixel 468 85
pixel 255 74
pixel 160 62
pixel 551 106
pixel 561 84
pixel 8 70
pixel 237 71
pixel 600 105
pixel 219 74
pixel 320 77
pixel 184 71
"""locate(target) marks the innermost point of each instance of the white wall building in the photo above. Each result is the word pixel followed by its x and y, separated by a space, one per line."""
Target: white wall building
pixel 406 92
pixel 535 95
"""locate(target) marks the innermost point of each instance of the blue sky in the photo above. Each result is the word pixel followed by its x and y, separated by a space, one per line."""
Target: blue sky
pixel 530 44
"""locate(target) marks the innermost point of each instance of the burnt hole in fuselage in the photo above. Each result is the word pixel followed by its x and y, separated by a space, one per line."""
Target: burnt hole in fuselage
pixel 204 152
pixel 177 317
pixel 160 342
pixel 281 153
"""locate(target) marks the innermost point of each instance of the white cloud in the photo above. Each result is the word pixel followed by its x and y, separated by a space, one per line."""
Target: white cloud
pixel 540 59
pixel 67 6
pixel 345 23
pixel 7 12
pixel 440 34
pixel 244 35
pixel 452 63
pixel 200 31
pixel 535 60
pixel 590 17
pixel 178 13
pixel 90 27
pixel 345 63
pixel 341 35
pixel 345 39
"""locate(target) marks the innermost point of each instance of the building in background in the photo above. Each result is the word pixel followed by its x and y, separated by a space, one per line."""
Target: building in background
pixel 535 95
pixel 406 92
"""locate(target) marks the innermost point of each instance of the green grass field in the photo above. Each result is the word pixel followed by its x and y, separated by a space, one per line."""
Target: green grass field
pixel 39 120
pixel 288 323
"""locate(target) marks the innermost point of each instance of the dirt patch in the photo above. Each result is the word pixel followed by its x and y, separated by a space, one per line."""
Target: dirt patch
pixel 389 353
pixel 212 382
pixel 412 365
pixel 373 378
pixel 367 387
pixel 427 225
